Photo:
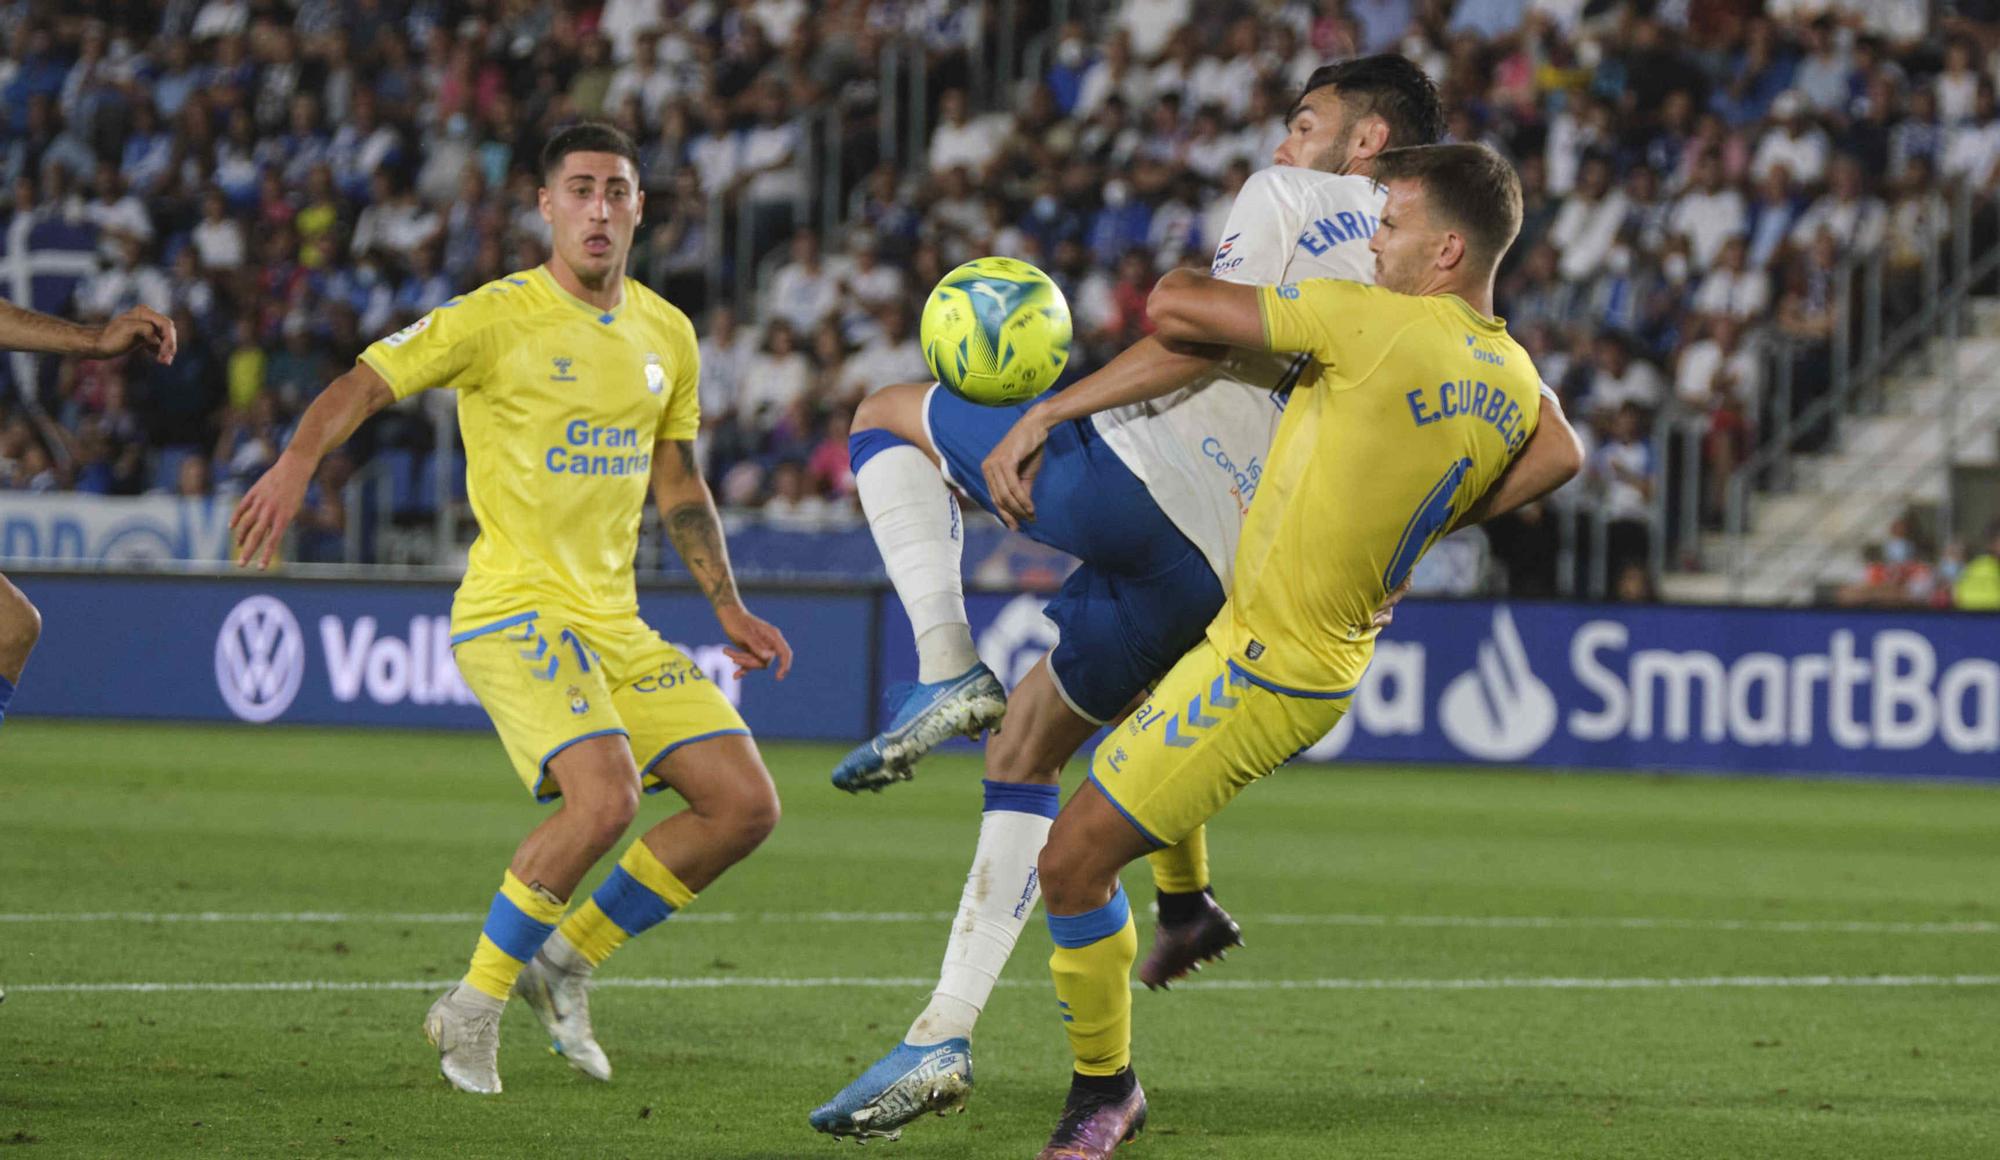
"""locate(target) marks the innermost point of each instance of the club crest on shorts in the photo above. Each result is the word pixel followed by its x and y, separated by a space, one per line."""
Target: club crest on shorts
pixel 656 375
pixel 577 704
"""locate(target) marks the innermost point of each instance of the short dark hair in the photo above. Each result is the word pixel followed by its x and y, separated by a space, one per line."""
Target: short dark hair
pixel 1469 185
pixel 1390 86
pixel 587 137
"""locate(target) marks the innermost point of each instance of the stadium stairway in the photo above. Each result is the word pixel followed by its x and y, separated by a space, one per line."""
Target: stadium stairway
pixel 1806 538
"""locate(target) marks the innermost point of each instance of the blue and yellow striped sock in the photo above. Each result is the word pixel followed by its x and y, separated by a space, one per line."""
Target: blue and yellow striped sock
pixel 638 896
pixel 1092 965
pixel 520 921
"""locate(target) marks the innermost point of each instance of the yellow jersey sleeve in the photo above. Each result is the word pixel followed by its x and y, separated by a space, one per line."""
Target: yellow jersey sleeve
pixel 449 347
pixel 1344 325
pixel 681 417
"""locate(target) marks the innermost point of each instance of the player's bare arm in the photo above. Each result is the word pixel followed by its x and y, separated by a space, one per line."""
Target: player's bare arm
pixel 1188 307
pixel 1147 369
pixel 687 513
pixel 140 327
pixel 268 508
pixel 1551 458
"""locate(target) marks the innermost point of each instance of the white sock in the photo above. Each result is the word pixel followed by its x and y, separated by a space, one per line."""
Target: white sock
pixel 565 957
pixel 917 529
pixel 1000 895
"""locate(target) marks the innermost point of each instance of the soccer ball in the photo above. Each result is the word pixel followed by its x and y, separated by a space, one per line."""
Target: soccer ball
pixel 996 331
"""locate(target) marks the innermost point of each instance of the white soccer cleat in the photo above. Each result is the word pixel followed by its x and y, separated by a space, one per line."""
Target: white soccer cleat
pixel 561 999
pixel 464 1026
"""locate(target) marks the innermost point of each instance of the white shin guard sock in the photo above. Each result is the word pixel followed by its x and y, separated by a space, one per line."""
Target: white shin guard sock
pixel 916 525
pixel 1000 896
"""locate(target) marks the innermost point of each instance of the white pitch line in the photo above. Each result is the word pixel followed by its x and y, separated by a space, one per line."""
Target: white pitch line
pixel 896 917
pixel 710 982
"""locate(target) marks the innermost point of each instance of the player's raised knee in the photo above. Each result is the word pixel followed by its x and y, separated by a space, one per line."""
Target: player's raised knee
pixel 891 409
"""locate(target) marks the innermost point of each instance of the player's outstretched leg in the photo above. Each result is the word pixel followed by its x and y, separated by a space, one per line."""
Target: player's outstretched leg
pixel 916 525
pixel 1091 924
pixel 20 628
pixel 600 788
pixel 732 808
pixel 930 1070
pixel 1192 927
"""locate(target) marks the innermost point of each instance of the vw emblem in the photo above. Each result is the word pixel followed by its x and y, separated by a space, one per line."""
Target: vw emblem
pixel 260 659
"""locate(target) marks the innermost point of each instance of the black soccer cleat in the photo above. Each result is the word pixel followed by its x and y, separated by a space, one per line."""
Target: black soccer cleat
pixel 1181 947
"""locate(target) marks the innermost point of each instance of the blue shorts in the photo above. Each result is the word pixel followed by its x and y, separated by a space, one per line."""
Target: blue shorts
pixel 1144 594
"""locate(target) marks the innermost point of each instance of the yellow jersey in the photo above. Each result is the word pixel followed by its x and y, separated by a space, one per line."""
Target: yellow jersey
pixel 1414 406
pixel 560 404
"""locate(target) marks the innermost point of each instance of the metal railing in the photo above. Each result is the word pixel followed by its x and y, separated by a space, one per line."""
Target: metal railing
pixel 1863 352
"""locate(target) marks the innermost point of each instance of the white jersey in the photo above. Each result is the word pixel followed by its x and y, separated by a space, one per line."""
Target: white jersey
pixel 1200 450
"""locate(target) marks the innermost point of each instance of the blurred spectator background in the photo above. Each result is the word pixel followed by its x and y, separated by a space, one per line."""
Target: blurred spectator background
pixel 293 178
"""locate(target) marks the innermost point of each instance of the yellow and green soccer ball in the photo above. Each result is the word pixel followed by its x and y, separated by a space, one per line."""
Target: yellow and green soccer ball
pixel 996 332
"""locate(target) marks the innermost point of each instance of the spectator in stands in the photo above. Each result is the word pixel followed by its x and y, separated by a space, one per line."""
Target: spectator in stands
pixel 804 291
pixel 1719 387
pixel 1773 216
pixel 960 140
pixel 1792 141
pixel 793 505
pixel 1978 588
pixel 1972 146
pixel 891 355
pixel 1587 226
pixel 1734 287
pixel 779 375
pixel 1709 213
pixel 1854 219
pixel 1622 379
pixel 1624 471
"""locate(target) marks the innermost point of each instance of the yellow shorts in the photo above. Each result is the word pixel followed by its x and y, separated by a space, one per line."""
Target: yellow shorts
pixel 1207 731
pixel 549 682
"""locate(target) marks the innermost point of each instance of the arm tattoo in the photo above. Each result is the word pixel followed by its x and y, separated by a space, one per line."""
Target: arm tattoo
pixel 696 534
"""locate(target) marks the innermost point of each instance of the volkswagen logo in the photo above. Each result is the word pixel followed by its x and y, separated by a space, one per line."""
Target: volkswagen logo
pixel 260 659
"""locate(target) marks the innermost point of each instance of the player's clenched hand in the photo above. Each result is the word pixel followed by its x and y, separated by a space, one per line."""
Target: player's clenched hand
pixel 1010 469
pixel 266 510
pixel 140 326
pixel 1387 612
pixel 754 643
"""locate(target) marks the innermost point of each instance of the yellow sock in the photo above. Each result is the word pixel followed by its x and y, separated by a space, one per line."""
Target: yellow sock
pixel 520 921
pixel 639 895
pixel 1092 965
pixel 1182 869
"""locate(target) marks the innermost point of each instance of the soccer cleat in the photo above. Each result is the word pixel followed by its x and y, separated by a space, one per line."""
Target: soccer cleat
pixel 465 1028
pixel 1182 947
pixel 562 1001
pixel 926 716
pixel 1093 1125
pixel 898 1088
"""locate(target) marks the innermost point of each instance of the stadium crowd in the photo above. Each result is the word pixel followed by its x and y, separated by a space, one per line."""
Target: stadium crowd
pixel 291 178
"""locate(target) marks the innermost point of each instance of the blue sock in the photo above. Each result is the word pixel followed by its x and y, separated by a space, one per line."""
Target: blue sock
pixel 1023 798
pixel 6 695
pixel 863 446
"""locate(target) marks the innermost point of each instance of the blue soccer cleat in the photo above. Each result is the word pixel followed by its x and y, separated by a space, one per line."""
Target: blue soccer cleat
pixel 926 716
pixel 898 1088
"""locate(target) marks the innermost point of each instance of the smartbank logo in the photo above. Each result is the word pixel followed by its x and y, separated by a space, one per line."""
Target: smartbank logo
pixel 1888 692
pixel 261 661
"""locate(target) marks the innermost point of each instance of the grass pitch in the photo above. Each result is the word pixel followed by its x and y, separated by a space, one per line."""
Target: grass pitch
pixel 1440 964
